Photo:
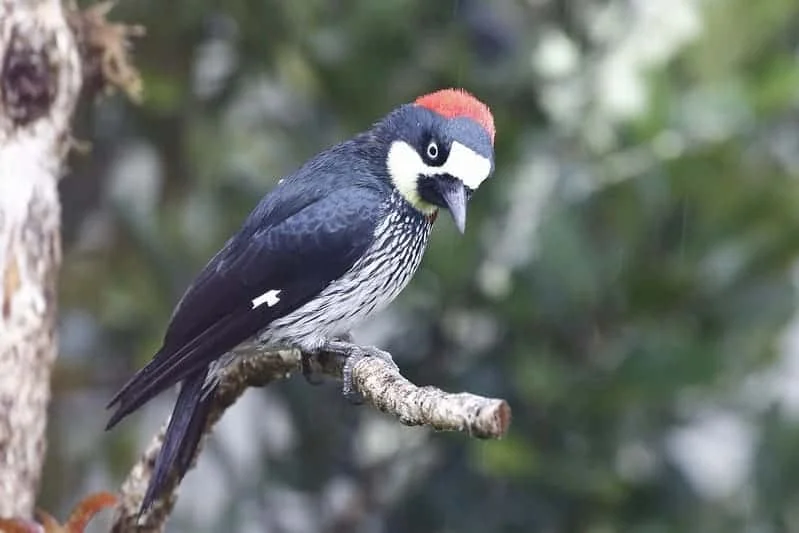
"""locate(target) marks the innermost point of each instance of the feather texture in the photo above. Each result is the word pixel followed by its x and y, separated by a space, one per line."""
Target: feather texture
pixel 299 256
pixel 331 244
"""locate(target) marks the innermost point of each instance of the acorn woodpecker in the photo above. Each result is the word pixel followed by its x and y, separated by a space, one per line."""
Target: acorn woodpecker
pixel 332 243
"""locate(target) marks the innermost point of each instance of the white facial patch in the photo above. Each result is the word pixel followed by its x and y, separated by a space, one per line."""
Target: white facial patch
pixel 405 165
pixel 269 298
pixel 467 165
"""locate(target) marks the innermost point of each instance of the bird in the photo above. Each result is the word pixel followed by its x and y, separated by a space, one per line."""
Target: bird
pixel 331 244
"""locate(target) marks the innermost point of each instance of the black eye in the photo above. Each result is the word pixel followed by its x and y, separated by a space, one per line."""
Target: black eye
pixel 432 150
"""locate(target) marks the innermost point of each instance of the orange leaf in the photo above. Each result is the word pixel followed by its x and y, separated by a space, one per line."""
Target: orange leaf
pixel 86 509
pixel 76 523
pixel 19 525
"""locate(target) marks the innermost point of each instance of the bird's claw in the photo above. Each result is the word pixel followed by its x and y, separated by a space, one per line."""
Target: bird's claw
pixel 352 354
pixel 348 388
pixel 305 357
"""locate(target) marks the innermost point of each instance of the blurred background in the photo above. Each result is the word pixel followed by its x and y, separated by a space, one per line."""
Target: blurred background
pixel 628 279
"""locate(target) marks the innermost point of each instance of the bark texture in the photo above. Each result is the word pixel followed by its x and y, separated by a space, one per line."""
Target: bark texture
pixel 40 78
pixel 378 381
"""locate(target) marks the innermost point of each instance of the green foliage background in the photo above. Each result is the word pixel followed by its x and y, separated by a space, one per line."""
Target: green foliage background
pixel 627 280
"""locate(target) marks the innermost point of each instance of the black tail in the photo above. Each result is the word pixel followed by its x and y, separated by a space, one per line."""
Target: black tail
pixel 182 436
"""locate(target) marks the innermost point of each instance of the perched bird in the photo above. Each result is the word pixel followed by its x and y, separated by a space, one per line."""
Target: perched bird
pixel 332 243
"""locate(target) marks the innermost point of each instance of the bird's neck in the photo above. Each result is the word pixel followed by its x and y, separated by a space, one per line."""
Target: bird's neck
pixel 410 212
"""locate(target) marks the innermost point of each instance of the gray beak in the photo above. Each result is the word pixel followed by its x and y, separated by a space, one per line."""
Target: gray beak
pixel 454 195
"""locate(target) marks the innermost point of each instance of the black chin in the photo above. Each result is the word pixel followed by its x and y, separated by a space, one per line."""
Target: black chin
pixel 446 192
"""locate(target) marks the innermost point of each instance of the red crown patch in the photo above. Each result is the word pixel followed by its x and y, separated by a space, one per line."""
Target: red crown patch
pixel 451 103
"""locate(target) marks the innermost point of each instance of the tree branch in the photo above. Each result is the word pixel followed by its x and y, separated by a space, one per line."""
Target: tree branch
pixel 378 381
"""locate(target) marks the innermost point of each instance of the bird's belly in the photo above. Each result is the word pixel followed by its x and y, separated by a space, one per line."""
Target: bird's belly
pixel 369 286
pixel 338 309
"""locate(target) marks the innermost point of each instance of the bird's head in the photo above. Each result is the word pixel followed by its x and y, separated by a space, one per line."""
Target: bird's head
pixel 440 149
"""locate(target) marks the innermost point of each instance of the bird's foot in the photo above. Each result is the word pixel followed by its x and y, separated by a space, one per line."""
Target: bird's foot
pixel 353 353
pixel 305 359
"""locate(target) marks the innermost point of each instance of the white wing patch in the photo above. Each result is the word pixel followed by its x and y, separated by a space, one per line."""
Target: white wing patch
pixel 270 298
pixel 405 165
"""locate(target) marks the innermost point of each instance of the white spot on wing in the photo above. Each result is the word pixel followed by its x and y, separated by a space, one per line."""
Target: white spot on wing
pixel 269 298
pixel 374 281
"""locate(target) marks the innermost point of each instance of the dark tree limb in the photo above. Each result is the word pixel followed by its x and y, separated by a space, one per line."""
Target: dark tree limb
pixel 375 378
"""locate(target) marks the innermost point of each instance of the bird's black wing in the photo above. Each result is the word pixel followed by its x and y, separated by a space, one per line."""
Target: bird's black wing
pixel 297 253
